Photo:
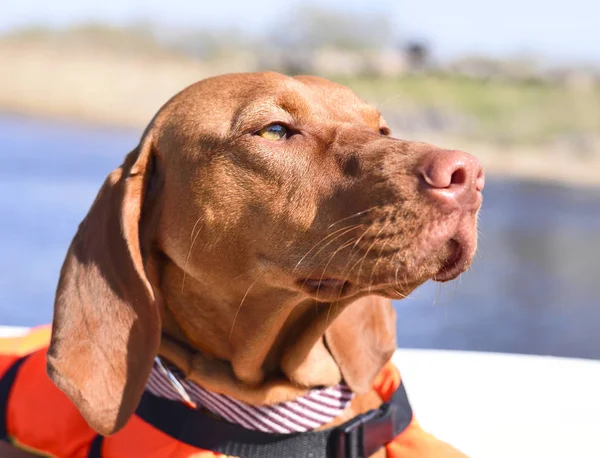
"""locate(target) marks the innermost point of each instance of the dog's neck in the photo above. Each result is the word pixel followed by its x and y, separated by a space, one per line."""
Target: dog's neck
pixel 259 345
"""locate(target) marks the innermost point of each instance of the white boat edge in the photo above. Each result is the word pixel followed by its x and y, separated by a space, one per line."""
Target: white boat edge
pixel 12 331
pixel 499 405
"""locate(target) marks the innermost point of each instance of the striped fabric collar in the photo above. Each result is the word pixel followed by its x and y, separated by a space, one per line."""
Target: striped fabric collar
pixel 317 408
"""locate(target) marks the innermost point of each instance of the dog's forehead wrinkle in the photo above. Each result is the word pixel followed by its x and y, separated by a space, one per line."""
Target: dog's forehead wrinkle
pixel 258 114
pixel 338 98
pixel 214 108
pixel 290 105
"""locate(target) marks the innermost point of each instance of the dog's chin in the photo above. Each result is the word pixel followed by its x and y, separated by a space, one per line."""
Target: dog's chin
pixel 334 290
pixel 445 265
pixel 396 292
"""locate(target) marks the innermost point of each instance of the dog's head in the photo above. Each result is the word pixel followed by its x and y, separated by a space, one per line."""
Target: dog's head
pixel 263 190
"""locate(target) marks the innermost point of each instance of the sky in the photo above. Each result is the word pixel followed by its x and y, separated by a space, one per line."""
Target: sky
pixel 558 30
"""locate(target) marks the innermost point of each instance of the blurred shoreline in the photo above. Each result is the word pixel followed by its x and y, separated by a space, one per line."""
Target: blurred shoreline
pixel 518 128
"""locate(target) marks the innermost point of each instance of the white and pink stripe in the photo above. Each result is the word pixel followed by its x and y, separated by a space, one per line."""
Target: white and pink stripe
pixel 316 408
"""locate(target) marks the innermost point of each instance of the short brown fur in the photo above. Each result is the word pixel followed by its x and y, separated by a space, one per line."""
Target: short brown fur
pixel 206 244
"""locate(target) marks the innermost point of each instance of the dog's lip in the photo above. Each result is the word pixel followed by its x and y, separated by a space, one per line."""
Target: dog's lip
pixel 457 262
pixel 325 288
pixel 323 282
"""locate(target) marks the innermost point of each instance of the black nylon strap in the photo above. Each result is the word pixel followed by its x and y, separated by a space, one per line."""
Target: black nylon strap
pixel 367 433
pixel 96 447
pixel 6 383
pixel 358 438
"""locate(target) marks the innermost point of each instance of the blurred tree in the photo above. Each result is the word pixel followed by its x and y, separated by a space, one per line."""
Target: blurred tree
pixel 417 54
pixel 312 27
pixel 211 43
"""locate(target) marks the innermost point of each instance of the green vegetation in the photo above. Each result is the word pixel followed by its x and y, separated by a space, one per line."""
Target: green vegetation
pixel 500 111
pixel 529 107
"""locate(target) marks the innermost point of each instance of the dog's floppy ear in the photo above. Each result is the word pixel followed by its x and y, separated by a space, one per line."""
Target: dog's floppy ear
pixel 106 327
pixel 362 339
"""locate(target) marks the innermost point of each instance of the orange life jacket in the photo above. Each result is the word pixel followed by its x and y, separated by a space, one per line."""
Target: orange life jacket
pixel 39 418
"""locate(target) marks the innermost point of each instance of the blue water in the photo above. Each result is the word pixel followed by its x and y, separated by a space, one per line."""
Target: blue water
pixel 534 288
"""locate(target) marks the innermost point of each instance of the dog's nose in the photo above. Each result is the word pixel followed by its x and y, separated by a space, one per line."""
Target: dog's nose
pixel 454 178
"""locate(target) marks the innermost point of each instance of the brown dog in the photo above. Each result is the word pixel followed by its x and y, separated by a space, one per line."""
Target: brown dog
pixel 254 238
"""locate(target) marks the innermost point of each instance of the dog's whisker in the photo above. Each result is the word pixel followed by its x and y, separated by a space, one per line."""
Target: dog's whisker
pixel 333 304
pixel 348 272
pixel 352 253
pixel 376 263
pixel 194 228
pixel 344 245
pixel 352 216
pixel 315 268
pixel 347 276
pixel 369 249
pixel 239 308
pixel 385 102
pixel 358 262
pixel 333 240
pixel 346 228
pixel 245 273
pixel 438 289
pixel 402 295
pixel 400 264
pixel 187 258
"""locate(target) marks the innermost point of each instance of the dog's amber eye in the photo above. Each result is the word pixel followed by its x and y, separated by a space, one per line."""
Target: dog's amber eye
pixel 273 132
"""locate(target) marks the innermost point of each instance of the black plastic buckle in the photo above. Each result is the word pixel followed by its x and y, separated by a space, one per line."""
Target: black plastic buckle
pixel 365 434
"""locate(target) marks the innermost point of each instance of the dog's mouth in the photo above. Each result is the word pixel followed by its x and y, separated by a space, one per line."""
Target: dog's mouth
pixel 459 253
pixel 441 257
pixel 456 258
pixel 326 288
pixel 455 264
